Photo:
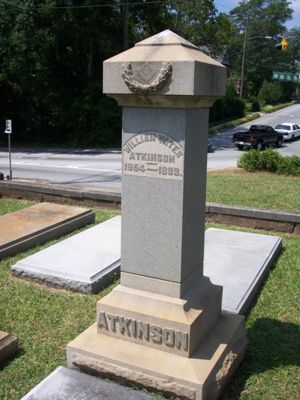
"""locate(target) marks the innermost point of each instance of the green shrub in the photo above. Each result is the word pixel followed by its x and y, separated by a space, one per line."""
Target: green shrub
pixel 229 106
pixel 254 160
pixel 271 161
pixel 250 161
pixel 268 108
pixel 270 92
pixel 289 166
pixel 255 106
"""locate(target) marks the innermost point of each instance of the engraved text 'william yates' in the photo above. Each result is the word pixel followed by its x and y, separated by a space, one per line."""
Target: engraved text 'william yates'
pixel 153 155
pixel 142 330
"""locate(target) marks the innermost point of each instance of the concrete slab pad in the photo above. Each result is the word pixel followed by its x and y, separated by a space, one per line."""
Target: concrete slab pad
pixel 83 262
pixel 66 384
pixel 8 346
pixel 34 225
pixel 238 261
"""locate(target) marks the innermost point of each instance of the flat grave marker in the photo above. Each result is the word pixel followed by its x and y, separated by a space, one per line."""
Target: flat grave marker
pixel 65 384
pixel 237 261
pixel 23 229
pixel 83 262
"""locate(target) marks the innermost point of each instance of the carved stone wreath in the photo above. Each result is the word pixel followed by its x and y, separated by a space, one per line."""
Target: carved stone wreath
pixel 135 85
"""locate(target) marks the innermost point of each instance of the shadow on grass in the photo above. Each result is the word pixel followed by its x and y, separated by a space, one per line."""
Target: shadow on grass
pixel 272 344
pixel 20 352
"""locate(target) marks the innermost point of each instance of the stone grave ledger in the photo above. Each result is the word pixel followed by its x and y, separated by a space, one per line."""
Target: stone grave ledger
pixel 84 262
pixel 163 327
pixel 65 384
pixel 28 227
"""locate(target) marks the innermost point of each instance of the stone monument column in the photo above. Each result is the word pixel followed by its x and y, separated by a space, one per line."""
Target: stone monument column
pixel 163 327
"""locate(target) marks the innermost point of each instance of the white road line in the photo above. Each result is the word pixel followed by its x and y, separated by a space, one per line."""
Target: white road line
pixel 66 166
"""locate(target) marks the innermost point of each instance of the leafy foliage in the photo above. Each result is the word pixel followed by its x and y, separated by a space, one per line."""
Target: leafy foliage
pixel 51 54
pixel 271 161
pixel 264 21
pixel 270 92
pixel 230 105
pixel 289 166
pixel 51 67
pixel 255 106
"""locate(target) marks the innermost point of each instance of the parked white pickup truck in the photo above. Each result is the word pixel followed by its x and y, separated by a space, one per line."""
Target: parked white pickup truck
pixel 289 130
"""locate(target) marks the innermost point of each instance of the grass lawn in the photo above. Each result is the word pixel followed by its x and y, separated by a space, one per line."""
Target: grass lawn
pixel 261 190
pixel 7 205
pixel 45 319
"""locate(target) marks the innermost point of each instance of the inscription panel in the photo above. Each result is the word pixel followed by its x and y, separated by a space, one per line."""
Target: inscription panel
pixel 153 155
pixel 143 331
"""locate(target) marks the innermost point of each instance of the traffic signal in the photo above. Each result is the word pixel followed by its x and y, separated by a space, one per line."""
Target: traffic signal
pixel 283 45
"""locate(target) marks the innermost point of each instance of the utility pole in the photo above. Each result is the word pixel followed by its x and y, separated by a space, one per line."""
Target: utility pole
pixel 8 131
pixel 243 56
pixel 125 27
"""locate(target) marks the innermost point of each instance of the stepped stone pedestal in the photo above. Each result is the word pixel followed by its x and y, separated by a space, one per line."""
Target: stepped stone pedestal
pixel 162 327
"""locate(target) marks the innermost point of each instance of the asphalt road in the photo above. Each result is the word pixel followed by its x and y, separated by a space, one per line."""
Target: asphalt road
pixel 102 168
pixel 224 155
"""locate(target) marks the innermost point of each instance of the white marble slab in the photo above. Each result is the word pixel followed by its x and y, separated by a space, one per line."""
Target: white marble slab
pixel 236 260
pixel 83 262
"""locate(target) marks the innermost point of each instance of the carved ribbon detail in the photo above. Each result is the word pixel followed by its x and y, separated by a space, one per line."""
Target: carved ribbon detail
pixel 135 85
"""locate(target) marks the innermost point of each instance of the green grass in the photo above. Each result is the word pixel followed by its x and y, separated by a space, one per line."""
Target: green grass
pixel 250 116
pixel 45 320
pixel 261 190
pixel 214 128
pixel 268 108
pixel 271 367
pixel 8 205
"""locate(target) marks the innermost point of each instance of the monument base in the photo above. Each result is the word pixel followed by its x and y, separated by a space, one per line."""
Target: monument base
pixel 200 377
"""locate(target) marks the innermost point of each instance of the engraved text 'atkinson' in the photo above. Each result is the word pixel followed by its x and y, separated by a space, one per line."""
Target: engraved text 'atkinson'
pixel 153 155
pixel 143 331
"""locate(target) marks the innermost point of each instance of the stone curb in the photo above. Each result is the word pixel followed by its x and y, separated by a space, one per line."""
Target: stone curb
pixel 44 192
pixel 250 212
pixel 256 218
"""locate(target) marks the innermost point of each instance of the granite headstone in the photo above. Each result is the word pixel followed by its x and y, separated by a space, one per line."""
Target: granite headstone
pixel 163 327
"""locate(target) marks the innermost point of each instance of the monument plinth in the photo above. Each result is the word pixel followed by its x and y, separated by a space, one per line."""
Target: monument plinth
pixel 163 327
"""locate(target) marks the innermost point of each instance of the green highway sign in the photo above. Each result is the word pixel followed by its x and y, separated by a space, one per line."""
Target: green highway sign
pixel 286 77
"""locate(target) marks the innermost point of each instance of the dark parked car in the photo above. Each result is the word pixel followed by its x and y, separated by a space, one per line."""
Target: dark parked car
pixel 1 176
pixel 257 137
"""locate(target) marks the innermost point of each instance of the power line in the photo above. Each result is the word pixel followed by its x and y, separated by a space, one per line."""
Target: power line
pixel 90 6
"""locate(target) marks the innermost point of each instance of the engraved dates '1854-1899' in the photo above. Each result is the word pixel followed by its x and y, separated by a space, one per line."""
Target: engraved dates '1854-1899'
pixel 153 155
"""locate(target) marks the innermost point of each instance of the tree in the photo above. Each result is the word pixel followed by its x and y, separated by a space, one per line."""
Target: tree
pixel 293 52
pixel 261 18
pixel 51 56
pixel 229 106
pixel 270 92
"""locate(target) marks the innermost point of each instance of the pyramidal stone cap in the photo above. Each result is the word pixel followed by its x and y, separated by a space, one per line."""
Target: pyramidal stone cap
pixel 164 70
